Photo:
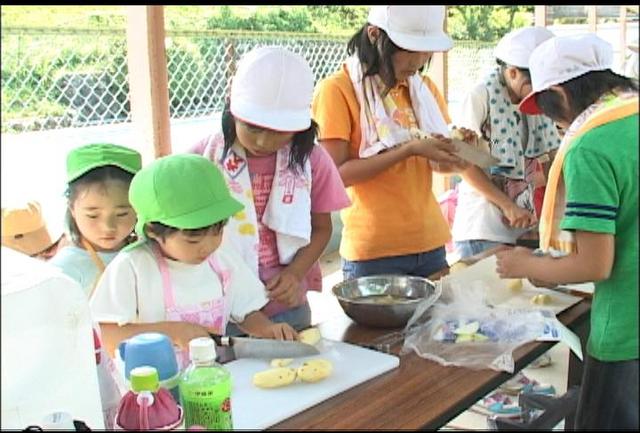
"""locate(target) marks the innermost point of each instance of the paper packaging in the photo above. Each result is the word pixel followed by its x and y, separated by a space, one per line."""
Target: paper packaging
pixel 465 151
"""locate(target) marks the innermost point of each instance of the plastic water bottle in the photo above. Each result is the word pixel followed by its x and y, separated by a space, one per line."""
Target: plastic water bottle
pixel 205 388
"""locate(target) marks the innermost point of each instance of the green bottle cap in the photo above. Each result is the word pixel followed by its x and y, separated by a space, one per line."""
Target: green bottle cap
pixel 144 378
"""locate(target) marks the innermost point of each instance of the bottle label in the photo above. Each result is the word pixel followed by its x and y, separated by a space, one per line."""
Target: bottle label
pixel 208 408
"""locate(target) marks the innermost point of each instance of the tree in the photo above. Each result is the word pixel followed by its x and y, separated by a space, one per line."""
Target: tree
pixel 486 23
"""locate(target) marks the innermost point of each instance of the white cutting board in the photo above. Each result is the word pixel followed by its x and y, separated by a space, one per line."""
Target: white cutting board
pixel 255 408
pixel 500 295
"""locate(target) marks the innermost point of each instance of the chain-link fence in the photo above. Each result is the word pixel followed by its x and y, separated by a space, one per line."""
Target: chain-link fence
pixel 74 77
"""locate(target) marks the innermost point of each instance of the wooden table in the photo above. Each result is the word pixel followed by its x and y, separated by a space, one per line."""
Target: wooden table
pixel 419 394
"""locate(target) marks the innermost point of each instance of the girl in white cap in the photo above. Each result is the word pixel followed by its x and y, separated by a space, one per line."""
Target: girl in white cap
pixel 288 184
pixel 589 221
pixel 499 205
pixel 366 112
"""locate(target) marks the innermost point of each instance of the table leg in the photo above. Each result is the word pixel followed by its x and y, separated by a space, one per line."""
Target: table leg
pixel 574 376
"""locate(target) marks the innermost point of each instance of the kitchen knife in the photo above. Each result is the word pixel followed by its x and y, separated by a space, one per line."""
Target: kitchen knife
pixel 265 348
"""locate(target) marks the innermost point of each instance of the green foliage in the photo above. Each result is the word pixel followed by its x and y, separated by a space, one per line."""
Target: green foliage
pixel 274 19
pixel 486 23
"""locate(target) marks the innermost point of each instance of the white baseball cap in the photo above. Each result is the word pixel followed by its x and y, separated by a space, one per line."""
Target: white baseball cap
pixel 516 47
pixel 413 28
pixel 563 58
pixel 273 88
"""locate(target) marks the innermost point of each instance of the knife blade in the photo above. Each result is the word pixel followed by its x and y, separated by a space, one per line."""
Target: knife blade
pixel 264 348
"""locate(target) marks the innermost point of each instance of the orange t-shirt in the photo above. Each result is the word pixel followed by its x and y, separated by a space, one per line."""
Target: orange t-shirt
pixel 395 212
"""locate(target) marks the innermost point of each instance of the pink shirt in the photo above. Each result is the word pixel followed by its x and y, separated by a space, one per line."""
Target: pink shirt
pixel 327 195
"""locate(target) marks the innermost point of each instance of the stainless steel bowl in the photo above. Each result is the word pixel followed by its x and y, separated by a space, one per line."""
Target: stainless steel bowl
pixel 383 301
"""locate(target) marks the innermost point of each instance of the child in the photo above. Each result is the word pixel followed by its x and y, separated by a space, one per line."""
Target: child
pixel 100 222
pixel 24 230
pixel 289 186
pixel 99 218
pixel 590 214
pixel 175 279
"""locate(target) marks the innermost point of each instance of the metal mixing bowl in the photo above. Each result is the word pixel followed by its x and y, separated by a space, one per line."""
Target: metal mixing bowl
pixel 383 301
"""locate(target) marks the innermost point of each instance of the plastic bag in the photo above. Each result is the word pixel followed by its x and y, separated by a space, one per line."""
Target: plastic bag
pixel 462 330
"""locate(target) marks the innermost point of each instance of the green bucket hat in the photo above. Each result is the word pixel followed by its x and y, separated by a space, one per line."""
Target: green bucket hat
pixel 85 158
pixel 185 191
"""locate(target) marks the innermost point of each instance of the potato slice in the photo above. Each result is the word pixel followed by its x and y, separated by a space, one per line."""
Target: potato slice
pixel 274 377
pixel 457 266
pixel 541 299
pixel 457 134
pixel 315 370
pixel 468 329
pixel 281 362
pixel 514 284
pixel 310 336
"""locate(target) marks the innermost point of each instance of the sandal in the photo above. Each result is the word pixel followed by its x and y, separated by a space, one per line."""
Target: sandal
pixel 521 383
pixel 498 403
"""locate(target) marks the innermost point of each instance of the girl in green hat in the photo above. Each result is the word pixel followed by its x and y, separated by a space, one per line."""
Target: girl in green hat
pixel 99 218
pixel 178 279
pixel 288 184
pixel 100 223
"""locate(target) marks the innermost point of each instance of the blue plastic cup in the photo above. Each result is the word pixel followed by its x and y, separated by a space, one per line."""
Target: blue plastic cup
pixel 156 350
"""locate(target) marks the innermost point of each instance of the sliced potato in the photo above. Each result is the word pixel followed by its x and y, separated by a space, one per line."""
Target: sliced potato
pixel 463 338
pixel 315 370
pixel 281 362
pixel 541 299
pixel 274 377
pixel 514 284
pixel 468 329
pixel 457 266
pixel 310 336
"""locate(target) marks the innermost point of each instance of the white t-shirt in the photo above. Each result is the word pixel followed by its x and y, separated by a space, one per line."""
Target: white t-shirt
pixel 76 263
pixel 476 218
pixel 131 290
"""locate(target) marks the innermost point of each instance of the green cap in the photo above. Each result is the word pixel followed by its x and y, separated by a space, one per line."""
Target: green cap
pixel 185 191
pixel 144 378
pixel 85 158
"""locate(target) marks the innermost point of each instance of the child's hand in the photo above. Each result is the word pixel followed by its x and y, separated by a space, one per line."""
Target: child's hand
pixel 281 331
pixel 284 288
pixel 513 262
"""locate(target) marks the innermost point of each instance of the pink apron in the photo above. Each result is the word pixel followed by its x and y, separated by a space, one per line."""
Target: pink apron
pixel 213 315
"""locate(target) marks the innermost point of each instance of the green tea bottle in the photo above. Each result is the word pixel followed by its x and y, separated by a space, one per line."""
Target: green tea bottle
pixel 205 388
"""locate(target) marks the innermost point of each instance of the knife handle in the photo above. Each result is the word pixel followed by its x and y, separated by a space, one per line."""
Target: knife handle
pixel 221 340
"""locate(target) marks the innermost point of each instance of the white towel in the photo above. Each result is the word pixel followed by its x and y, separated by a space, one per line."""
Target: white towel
pixel 379 130
pixel 288 210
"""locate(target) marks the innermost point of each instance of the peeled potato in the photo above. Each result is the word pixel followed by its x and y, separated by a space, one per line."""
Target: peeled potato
pixel 310 336
pixel 514 284
pixel 457 266
pixel 456 134
pixel 541 299
pixel 468 329
pixel 315 370
pixel 275 377
pixel 281 362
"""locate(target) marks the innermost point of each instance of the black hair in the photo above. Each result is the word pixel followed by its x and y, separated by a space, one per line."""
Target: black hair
pixel 162 230
pixel 96 175
pixel 301 145
pixel 582 91
pixel 504 66
pixel 377 55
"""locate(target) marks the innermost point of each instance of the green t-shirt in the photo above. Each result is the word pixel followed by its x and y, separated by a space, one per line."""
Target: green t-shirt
pixel 601 178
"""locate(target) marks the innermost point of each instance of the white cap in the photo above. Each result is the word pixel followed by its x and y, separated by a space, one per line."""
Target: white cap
pixel 273 88
pixel 202 349
pixel 516 47
pixel 564 58
pixel 413 28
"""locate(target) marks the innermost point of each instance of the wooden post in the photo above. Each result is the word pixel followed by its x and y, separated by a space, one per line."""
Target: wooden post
pixel 623 36
pixel 438 72
pixel 148 80
pixel 540 15
pixel 592 18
